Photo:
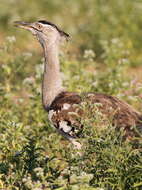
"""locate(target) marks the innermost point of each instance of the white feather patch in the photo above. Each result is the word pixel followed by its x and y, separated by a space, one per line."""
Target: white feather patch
pixel 50 114
pixel 66 106
pixel 63 125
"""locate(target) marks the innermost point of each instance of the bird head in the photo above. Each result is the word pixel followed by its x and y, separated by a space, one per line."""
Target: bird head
pixel 45 31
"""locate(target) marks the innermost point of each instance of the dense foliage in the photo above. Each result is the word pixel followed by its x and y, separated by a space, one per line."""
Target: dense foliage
pixel 103 55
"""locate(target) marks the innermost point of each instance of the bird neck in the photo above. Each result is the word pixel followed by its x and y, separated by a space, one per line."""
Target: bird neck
pixel 52 83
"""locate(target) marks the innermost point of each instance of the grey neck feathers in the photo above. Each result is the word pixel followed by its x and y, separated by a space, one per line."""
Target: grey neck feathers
pixel 52 83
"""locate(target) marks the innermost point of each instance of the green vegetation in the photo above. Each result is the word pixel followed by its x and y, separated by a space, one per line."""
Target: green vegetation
pixel 104 55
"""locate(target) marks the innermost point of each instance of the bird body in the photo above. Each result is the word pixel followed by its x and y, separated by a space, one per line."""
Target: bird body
pixel 65 109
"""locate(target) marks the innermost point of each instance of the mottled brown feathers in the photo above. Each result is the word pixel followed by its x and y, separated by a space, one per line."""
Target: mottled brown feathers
pixel 66 110
pixel 65 97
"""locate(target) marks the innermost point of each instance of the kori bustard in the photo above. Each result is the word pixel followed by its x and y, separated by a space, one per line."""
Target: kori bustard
pixel 62 105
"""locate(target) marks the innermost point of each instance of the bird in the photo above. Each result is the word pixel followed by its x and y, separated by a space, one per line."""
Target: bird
pixel 64 107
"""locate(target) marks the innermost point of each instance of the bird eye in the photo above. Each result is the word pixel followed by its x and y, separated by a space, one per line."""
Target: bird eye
pixel 39 26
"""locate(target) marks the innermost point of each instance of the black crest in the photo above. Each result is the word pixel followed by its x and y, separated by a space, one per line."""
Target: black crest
pixel 55 26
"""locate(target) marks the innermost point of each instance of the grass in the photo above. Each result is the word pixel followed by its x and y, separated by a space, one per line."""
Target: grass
pixel 104 56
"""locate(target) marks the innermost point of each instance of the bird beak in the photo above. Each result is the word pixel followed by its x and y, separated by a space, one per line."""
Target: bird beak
pixel 25 25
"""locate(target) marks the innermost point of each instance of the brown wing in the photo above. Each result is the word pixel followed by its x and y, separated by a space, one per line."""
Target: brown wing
pixel 67 112
pixel 64 113
pixel 119 112
pixel 65 97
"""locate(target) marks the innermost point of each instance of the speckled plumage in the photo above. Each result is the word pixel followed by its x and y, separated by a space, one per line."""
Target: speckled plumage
pixel 118 112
